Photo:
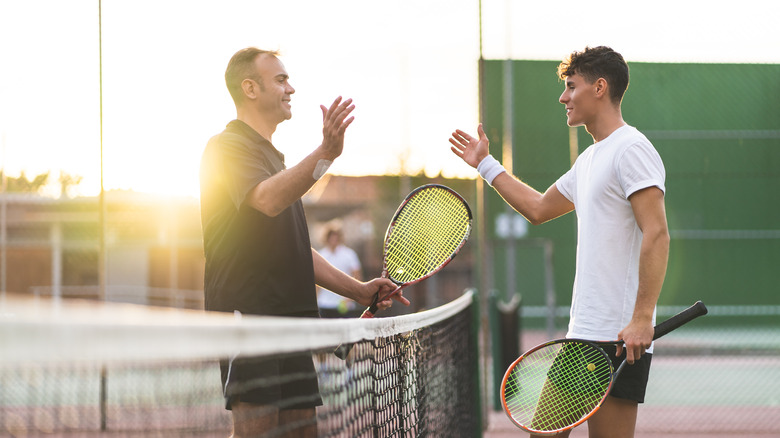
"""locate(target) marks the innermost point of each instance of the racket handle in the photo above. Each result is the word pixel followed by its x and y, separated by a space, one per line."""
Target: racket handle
pixel 687 315
pixel 371 311
pixel 342 351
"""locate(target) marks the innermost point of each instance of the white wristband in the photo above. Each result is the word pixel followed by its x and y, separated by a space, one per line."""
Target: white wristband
pixel 489 168
pixel 320 169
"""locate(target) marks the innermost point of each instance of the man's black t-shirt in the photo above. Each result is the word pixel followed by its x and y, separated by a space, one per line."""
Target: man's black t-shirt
pixel 255 264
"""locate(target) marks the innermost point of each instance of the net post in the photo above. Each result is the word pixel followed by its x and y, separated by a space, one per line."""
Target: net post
pixel 505 323
pixel 103 398
pixel 476 315
pixel 495 341
pixel 509 314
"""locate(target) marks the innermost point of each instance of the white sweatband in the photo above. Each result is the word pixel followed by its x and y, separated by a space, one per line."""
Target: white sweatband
pixel 489 168
pixel 320 169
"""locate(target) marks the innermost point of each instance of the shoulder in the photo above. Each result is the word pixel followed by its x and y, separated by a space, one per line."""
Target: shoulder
pixel 235 135
pixel 626 137
pixel 631 145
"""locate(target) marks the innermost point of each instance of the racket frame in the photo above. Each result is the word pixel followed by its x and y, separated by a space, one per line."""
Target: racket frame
pixel 371 310
pixel 342 351
pixel 661 329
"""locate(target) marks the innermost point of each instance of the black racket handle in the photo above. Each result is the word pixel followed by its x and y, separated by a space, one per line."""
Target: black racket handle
pixel 698 309
pixel 342 351
pixel 371 311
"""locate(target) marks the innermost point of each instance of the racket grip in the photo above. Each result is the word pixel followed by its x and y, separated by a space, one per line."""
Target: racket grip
pixel 696 310
pixel 342 351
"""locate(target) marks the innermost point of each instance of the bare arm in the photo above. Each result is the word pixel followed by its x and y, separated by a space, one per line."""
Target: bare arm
pixel 534 206
pixel 331 278
pixel 280 191
pixel 650 214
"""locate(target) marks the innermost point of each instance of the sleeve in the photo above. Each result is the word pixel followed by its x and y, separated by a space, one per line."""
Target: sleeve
pixel 565 184
pixel 640 167
pixel 241 167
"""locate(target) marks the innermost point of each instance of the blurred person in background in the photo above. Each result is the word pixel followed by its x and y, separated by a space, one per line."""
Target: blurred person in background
pixel 346 260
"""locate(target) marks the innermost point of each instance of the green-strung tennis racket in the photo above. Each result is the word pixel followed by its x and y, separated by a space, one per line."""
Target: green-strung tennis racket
pixel 429 228
pixel 558 385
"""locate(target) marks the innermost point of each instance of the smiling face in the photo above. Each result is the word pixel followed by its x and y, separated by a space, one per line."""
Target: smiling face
pixel 579 98
pixel 275 92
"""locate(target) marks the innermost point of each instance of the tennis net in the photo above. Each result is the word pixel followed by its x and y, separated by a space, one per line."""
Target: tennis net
pixel 99 369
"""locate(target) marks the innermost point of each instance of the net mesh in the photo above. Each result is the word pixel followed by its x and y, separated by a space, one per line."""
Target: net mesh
pixel 414 375
pixel 428 230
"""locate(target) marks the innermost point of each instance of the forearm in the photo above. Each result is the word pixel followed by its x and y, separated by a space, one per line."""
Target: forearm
pixel 280 191
pixel 653 258
pixel 520 196
pixel 538 208
pixel 331 278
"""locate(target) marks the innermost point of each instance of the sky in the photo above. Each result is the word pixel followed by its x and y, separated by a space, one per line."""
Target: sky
pixel 409 65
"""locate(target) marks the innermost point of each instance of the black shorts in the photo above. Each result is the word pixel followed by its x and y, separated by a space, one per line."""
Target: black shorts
pixel 631 383
pixel 287 382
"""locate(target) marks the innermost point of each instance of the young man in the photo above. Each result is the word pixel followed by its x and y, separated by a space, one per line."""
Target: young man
pixel 259 258
pixel 617 189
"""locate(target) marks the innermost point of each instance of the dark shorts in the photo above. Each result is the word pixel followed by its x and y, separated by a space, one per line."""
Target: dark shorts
pixel 287 381
pixel 631 383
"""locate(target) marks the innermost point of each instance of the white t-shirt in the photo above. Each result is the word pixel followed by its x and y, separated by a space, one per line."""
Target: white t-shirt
pixel 346 260
pixel 608 238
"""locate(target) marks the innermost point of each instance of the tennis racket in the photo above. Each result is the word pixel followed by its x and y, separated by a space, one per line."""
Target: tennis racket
pixel 429 228
pixel 558 385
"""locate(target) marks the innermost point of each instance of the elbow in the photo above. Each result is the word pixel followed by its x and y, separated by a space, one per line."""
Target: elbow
pixel 535 219
pixel 269 210
pixel 265 206
pixel 659 237
pixel 537 216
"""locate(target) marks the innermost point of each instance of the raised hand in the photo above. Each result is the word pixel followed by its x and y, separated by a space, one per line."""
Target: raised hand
pixel 334 125
pixel 469 149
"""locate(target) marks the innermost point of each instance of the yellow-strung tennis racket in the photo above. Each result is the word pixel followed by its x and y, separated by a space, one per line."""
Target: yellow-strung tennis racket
pixel 560 384
pixel 429 228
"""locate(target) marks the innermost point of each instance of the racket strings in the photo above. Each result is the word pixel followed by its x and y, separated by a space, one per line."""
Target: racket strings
pixel 557 385
pixel 427 232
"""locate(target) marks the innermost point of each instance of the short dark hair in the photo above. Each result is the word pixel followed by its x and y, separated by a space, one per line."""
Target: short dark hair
pixel 242 66
pixel 598 62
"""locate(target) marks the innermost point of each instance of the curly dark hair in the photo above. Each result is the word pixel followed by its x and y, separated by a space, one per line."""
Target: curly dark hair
pixel 598 62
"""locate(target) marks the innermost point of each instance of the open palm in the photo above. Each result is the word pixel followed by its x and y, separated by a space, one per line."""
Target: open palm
pixel 469 149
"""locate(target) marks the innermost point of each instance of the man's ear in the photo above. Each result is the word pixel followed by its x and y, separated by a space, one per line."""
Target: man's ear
pixel 601 87
pixel 250 88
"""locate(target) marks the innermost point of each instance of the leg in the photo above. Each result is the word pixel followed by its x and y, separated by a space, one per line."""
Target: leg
pixel 307 418
pixel 250 420
pixel 615 419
